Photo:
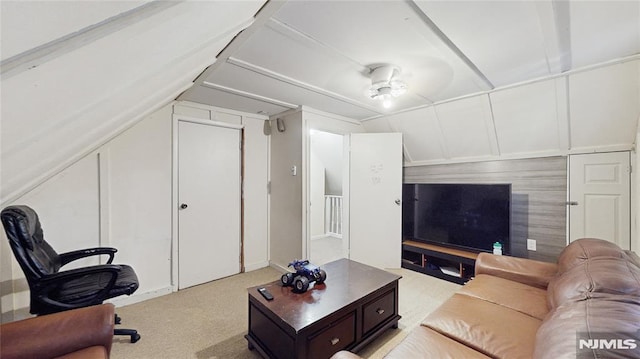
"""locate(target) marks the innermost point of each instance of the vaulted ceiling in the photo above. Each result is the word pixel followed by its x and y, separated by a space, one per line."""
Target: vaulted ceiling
pixel 77 73
pixel 486 79
pixel 320 53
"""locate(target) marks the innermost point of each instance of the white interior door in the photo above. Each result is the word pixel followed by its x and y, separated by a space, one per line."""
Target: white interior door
pixel 209 200
pixel 599 197
pixel 375 188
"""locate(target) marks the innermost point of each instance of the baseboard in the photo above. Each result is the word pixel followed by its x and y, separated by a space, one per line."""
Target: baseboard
pixel 327 235
pixel 254 266
pixel 137 298
pixel 278 267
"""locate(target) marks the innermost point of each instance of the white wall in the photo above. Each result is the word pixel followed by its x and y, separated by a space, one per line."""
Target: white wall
pixel 316 195
pixel 285 201
pixel 64 93
pixel 593 109
pixel 70 194
pixel 120 195
pixel 136 212
pixel 256 205
pixel 328 148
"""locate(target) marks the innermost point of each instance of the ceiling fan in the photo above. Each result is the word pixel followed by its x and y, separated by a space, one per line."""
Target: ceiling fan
pixel 386 84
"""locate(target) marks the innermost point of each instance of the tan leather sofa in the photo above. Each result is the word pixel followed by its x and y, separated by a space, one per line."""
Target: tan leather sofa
pixel 520 308
pixel 84 333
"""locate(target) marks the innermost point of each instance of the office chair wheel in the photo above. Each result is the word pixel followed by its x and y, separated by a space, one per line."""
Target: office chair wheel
pixel 132 333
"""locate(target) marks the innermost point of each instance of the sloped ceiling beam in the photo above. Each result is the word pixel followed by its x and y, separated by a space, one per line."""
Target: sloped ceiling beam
pixel 55 114
pixel 555 26
pixel 39 55
pixel 249 95
pixel 445 39
pixel 291 81
pixel 261 17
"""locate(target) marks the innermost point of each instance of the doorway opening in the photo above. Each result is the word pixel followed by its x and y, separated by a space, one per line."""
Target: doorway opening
pixel 326 204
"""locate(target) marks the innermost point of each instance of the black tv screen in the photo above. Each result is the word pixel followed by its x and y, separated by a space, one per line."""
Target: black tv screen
pixel 466 216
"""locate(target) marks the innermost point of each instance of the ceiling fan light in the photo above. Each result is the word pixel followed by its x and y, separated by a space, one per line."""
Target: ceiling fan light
pixel 386 101
pixel 385 84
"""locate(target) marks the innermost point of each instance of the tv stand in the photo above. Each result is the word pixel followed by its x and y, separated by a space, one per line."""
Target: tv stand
pixel 450 264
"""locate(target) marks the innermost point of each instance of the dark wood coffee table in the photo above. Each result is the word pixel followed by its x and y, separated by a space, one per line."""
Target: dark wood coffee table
pixel 354 306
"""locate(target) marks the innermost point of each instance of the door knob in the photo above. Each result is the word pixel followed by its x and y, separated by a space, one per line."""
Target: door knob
pixel 183 206
pixel 398 201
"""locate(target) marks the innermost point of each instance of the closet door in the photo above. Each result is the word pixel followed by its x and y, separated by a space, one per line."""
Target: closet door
pixel 209 180
pixel 600 197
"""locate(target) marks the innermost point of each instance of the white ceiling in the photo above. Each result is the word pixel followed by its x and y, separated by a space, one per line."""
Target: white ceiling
pixel 75 74
pixel 486 79
pixel 55 21
pixel 319 53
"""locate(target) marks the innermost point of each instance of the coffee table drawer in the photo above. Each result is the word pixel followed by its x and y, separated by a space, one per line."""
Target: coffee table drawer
pixel 334 338
pixel 378 310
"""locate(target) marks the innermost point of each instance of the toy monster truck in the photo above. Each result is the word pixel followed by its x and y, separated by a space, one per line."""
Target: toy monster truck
pixel 305 274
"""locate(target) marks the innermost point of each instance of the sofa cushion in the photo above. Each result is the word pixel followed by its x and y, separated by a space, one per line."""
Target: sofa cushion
pixel 604 316
pixel 523 270
pixel 492 329
pixel 507 293
pixel 596 275
pixel 582 249
pixel 423 342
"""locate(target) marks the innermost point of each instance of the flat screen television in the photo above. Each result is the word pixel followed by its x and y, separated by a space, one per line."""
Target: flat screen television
pixel 467 216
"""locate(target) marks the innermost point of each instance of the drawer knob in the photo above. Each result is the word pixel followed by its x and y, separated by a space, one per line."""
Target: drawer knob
pixel 380 311
pixel 335 341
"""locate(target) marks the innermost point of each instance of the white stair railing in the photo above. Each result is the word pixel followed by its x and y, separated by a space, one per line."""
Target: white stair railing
pixel 333 215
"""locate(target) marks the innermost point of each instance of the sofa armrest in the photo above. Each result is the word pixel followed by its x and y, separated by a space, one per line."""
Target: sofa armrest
pixel 526 271
pixel 58 334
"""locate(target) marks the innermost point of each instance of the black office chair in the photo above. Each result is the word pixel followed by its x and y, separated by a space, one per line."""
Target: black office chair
pixel 53 290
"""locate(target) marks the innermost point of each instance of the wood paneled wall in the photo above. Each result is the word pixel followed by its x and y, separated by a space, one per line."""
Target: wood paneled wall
pixel 539 192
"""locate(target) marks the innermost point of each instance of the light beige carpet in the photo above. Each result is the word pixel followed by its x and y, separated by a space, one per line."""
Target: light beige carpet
pixel 210 320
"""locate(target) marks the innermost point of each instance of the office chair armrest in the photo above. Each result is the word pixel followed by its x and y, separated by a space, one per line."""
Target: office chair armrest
pixel 82 253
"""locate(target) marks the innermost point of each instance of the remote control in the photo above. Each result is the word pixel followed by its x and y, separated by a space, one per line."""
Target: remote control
pixel 265 293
